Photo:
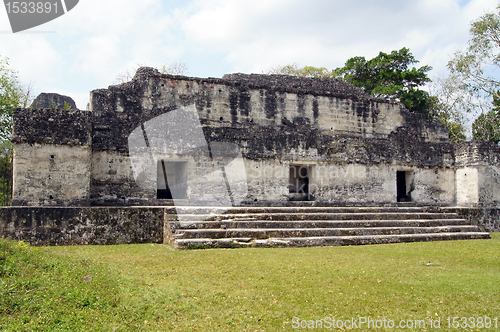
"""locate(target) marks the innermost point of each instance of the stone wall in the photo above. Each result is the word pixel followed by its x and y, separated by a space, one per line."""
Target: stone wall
pixel 478 173
pixel 50 174
pixel 82 225
pixel 280 121
pixel 52 157
pixel 125 225
pixel 486 217
pixel 354 147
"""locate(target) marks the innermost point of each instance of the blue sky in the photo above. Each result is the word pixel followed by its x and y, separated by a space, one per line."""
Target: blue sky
pixel 88 47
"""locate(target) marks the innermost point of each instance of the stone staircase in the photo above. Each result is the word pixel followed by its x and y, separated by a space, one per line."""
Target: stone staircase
pixel 301 226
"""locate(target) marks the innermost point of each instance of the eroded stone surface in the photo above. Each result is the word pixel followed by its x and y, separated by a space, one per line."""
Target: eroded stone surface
pixel 82 225
pixel 53 100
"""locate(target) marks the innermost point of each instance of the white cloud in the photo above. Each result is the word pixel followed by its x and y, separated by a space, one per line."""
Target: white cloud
pixel 100 39
pixel 92 44
pixel 30 55
pixel 110 35
pixel 326 33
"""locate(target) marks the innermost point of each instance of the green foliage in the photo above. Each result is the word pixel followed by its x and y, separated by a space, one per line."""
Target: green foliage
pixel 12 96
pixel 487 127
pixel 6 150
pixel 307 71
pixel 390 76
pixel 66 106
pixel 475 68
pixel 456 130
pixel 471 65
pixel 450 107
pixel 41 292
pixel 385 76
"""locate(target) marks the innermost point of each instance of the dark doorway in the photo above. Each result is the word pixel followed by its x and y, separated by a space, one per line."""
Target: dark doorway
pixel 404 185
pixel 171 180
pixel 299 182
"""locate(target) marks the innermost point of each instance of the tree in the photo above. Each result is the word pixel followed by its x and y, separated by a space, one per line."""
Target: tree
pixel 451 106
pixel 12 96
pixel 385 76
pixel 390 76
pixel 5 172
pixel 307 71
pixel 475 67
pixel 471 65
pixel 487 126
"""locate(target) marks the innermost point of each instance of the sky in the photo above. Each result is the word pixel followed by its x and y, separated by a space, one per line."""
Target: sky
pixel 95 42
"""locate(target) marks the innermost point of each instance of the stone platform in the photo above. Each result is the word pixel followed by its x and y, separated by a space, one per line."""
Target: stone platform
pixel 202 227
pixel 205 227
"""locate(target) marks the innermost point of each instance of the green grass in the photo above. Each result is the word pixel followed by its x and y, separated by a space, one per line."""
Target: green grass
pixel 41 292
pixel 155 288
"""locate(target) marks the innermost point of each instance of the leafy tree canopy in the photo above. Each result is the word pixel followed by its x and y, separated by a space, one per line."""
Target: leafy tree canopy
pixel 476 68
pixel 307 71
pixel 12 96
pixel 487 126
pixel 391 76
pixel 385 76
pixel 475 65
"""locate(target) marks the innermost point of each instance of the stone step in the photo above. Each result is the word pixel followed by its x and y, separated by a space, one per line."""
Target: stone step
pixel 280 216
pixel 266 233
pixel 294 209
pixel 325 240
pixel 313 223
pixel 202 227
pixel 220 211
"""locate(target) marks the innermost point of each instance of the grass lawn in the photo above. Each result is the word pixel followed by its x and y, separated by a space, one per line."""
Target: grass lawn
pixel 151 287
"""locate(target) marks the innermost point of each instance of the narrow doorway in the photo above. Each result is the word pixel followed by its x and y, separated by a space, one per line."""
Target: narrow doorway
pixel 299 182
pixel 404 184
pixel 171 180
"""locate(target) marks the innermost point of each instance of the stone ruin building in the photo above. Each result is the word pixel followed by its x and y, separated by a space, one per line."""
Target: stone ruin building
pixel 244 160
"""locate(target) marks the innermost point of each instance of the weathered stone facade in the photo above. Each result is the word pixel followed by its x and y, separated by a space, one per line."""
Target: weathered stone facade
pixel 83 225
pixel 52 155
pixel 350 144
pixel 298 139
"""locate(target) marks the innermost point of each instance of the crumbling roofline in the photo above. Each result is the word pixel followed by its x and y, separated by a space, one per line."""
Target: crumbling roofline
pixel 282 83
